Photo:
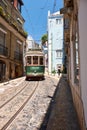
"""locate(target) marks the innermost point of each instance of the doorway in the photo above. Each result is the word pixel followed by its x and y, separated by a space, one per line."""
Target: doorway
pixel 2 70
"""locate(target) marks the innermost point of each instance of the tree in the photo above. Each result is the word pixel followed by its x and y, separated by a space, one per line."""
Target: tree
pixel 44 38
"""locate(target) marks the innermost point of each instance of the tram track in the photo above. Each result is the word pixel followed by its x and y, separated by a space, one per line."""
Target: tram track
pixel 9 121
pixel 13 96
pixel 33 114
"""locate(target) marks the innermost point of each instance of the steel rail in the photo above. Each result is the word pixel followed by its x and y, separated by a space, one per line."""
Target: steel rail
pixel 20 109
pixel 13 96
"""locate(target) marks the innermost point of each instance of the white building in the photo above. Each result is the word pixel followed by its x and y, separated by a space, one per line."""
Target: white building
pixel 76 48
pixel 55 41
pixel 30 44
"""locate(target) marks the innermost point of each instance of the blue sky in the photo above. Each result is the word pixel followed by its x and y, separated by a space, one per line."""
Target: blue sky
pixel 35 14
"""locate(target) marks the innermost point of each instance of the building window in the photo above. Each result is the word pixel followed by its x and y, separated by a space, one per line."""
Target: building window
pixel 2 38
pixel 59 53
pixel 50 23
pixel 58 21
pixel 66 23
pixel 19 6
pixel 12 1
pixel 2 70
pixel 76 60
pixel 18 47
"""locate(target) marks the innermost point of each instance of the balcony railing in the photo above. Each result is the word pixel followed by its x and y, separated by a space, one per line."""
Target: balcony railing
pixel 18 56
pixel 9 18
pixel 3 50
pixel 69 3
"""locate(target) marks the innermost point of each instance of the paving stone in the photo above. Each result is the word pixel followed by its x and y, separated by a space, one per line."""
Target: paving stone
pixel 63 115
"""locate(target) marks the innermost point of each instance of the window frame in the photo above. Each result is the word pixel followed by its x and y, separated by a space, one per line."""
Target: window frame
pixel 58 21
pixel 59 53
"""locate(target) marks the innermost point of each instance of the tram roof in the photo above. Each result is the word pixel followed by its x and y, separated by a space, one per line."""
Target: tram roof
pixel 34 52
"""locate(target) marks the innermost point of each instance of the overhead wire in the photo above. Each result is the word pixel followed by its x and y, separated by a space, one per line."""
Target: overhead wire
pixel 32 27
pixel 54 5
pixel 41 28
pixel 29 18
pixel 30 22
pixel 40 16
pixel 45 4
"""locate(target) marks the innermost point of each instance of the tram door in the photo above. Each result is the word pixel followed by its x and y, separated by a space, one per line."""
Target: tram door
pixel 2 70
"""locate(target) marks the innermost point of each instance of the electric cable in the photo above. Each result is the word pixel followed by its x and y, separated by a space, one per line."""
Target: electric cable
pixel 54 5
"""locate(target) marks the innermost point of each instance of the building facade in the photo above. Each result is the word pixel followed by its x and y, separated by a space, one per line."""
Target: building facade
pixel 76 49
pixel 12 39
pixel 30 43
pixel 55 41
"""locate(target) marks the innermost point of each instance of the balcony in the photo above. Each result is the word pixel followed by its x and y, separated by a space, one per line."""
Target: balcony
pixel 69 3
pixel 18 56
pixel 68 7
pixel 3 50
pixel 17 22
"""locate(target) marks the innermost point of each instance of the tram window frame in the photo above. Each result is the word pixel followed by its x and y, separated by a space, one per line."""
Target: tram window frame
pixel 29 60
pixel 35 60
pixel 42 60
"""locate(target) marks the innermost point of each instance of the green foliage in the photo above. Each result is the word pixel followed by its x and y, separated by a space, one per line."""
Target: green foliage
pixel 44 38
pixel 1 10
pixel 14 23
pixel 54 71
pixel 25 33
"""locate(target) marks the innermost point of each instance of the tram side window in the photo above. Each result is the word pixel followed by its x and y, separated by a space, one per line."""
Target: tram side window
pixel 35 59
pixel 29 59
pixel 41 60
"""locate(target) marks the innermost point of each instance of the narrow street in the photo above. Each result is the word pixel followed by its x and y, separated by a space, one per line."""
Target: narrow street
pixel 17 113
pixel 41 111
pixel 63 115
pixel 36 39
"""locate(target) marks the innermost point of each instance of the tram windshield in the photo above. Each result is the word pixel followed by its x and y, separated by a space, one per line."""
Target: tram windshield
pixel 29 59
pixel 35 59
pixel 41 60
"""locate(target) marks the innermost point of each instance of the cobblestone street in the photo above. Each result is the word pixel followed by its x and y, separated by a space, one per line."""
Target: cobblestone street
pixel 33 112
pixel 63 115
pixel 50 108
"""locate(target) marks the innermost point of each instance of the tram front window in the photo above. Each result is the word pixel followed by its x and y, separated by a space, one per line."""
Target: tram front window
pixel 29 59
pixel 41 60
pixel 35 59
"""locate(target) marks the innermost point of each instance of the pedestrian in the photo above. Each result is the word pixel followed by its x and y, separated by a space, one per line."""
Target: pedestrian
pixel 58 71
